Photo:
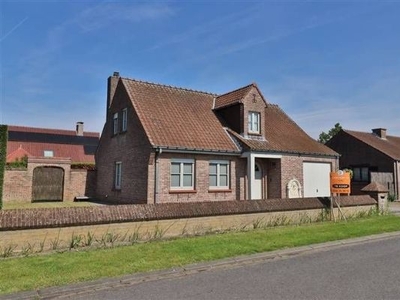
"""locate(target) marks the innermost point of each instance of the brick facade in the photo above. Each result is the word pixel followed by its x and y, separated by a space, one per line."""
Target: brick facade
pixel 131 148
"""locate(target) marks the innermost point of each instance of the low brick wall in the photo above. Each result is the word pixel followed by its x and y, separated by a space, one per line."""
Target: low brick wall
pixel 55 229
pixel 80 216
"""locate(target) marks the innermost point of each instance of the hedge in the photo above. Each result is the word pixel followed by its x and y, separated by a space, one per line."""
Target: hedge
pixel 3 154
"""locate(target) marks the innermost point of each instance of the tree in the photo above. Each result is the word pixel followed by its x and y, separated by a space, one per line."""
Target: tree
pixel 324 137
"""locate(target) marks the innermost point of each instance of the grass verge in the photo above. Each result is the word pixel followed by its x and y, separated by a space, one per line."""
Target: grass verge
pixel 35 272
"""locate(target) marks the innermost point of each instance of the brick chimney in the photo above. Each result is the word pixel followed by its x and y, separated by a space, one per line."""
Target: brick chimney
pixel 380 132
pixel 111 87
pixel 79 128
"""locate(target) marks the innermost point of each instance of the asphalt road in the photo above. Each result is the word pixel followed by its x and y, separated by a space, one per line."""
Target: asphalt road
pixel 360 270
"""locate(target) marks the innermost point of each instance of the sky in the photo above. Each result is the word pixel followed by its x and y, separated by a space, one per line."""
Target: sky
pixel 322 62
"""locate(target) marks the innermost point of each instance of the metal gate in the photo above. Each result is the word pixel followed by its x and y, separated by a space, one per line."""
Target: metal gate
pixel 48 184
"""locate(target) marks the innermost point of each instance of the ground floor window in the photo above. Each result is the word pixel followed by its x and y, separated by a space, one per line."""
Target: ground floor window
pixel 182 174
pixel 219 174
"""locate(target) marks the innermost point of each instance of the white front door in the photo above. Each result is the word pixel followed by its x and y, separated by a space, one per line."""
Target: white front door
pixel 257 188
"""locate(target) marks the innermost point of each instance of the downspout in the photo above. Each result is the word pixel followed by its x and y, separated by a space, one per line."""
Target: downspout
pixel 156 171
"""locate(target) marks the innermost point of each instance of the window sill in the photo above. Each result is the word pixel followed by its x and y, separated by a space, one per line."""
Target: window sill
pixel 254 133
pixel 182 191
pixel 220 191
pixel 116 189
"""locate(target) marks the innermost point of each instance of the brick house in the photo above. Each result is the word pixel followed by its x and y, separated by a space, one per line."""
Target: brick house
pixel 58 164
pixel 168 144
pixel 373 157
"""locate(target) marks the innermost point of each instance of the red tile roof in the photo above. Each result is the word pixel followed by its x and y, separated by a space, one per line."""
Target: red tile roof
pixel 178 118
pixel 232 97
pixel 184 119
pixel 32 142
pixel 389 146
pixel 284 135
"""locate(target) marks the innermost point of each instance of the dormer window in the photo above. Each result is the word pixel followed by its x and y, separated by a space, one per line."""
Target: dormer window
pixel 254 122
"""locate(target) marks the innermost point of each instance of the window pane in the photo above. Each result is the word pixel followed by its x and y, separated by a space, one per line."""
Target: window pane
pixel 187 168
pixel 187 180
pixel 223 180
pixel 364 174
pixel 223 169
pixel 213 169
pixel 213 180
pixel 175 180
pixel 175 168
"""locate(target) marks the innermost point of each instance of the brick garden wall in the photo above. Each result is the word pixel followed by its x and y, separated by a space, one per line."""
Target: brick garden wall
pixel 44 227
pixel 18 184
pixel 78 216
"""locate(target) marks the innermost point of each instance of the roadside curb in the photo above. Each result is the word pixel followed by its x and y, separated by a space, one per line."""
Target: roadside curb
pixel 69 291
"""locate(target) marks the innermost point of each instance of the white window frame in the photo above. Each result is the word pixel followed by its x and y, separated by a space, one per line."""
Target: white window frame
pixel 254 122
pixel 118 175
pixel 115 123
pixel 181 173
pixel 48 153
pixel 124 119
pixel 218 163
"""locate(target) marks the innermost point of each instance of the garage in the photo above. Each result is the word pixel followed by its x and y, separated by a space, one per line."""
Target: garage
pixel 316 179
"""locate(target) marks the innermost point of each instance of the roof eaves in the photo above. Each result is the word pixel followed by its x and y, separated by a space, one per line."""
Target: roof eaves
pixel 199 150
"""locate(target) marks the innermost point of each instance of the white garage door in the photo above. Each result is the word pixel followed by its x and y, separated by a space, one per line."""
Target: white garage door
pixel 316 179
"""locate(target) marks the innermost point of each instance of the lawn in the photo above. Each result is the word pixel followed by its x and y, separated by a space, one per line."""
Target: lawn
pixel 28 273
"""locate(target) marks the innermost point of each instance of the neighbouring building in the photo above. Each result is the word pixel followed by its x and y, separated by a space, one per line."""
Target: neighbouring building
pixel 168 144
pixel 373 157
pixel 49 164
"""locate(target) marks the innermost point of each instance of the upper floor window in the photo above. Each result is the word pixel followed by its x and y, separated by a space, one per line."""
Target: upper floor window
pixel 182 174
pixel 118 175
pixel 254 122
pixel 124 119
pixel 115 123
pixel 219 174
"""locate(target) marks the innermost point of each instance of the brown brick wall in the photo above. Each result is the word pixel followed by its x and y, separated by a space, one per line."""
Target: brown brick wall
pixel 132 148
pixel 18 183
pixel 201 191
pixel 79 216
pixel 17 186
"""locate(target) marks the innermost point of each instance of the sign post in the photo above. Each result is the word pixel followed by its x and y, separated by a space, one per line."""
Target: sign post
pixel 340 184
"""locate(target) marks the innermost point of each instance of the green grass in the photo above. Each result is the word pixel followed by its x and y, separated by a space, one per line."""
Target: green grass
pixel 28 273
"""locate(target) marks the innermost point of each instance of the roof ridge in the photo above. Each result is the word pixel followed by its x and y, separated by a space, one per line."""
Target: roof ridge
pixel 20 128
pixel 169 86
pixel 238 89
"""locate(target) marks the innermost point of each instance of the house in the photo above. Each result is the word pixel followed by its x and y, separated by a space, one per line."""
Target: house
pixel 373 157
pixel 49 164
pixel 168 144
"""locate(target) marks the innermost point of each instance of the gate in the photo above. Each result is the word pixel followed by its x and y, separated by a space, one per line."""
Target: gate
pixel 48 184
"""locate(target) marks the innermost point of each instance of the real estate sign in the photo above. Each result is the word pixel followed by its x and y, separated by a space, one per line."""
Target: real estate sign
pixel 340 182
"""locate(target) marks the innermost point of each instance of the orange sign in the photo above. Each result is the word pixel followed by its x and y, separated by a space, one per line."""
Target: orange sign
pixel 340 182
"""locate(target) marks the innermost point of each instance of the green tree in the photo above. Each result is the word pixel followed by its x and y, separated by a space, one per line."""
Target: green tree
pixel 324 137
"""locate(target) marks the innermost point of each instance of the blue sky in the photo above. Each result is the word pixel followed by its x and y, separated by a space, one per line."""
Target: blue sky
pixel 322 62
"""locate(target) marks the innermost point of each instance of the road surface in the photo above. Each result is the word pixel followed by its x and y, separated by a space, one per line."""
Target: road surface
pixel 359 270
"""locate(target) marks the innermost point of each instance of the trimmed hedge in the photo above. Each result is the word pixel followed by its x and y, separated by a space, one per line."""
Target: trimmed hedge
pixel 3 154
